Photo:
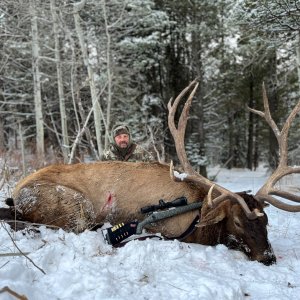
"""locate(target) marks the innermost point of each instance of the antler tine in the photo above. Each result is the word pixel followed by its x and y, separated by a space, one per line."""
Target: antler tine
pixel 179 132
pixel 221 193
pixel 172 172
pixel 225 195
pixel 268 189
pixel 191 175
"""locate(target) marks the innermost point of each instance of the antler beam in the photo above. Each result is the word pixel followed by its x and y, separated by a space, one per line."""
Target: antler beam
pixel 178 133
pixel 268 189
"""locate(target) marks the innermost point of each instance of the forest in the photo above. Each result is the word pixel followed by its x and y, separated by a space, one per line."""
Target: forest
pixel 70 70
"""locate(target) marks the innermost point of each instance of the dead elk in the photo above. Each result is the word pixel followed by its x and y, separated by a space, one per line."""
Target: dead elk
pixel 76 197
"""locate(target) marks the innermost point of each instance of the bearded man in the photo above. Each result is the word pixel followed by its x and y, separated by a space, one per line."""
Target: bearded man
pixel 123 148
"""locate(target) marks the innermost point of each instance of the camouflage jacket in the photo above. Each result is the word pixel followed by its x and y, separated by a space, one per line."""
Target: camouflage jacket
pixel 135 153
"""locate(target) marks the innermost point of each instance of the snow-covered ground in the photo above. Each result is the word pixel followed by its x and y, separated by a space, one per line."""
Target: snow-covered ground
pixel 84 267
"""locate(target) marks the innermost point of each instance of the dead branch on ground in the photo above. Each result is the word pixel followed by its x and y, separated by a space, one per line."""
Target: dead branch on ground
pixel 13 293
pixel 24 254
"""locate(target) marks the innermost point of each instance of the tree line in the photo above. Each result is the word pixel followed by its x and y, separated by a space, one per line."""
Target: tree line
pixel 70 70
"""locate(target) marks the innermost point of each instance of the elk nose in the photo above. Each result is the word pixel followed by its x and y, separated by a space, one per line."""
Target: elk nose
pixel 268 260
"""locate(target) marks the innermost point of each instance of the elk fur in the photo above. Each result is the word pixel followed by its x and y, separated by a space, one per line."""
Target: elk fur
pixel 77 197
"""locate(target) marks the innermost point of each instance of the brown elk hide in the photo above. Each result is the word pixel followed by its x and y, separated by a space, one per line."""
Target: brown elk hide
pixel 82 195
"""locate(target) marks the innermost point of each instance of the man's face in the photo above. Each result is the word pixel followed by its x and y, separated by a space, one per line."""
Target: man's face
pixel 122 140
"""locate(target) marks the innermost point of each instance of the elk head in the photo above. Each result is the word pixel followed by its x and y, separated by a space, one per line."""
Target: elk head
pixel 237 220
pixel 230 226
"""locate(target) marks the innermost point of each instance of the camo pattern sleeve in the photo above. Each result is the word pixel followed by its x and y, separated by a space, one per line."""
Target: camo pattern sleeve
pixel 108 154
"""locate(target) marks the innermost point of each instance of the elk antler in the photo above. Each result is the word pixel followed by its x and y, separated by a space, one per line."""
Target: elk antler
pixel 178 134
pixel 191 175
pixel 268 189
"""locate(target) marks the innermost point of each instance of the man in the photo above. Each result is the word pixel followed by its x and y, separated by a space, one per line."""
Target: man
pixel 123 148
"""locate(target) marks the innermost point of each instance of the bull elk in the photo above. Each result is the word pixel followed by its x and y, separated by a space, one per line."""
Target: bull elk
pixel 76 197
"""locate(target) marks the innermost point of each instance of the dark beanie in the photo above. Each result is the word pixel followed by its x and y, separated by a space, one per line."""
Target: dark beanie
pixel 120 129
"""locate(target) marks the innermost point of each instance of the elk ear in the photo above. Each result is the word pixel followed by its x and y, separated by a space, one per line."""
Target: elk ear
pixel 214 216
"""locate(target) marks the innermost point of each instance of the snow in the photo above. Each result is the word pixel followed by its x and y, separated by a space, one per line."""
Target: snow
pixel 180 176
pixel 84 267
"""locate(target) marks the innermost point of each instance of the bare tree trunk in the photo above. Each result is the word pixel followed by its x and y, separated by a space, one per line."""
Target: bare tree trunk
pixel 96 105
pixel 256 144
pixel 298 57
pixel 109 77
pixel 161 155
pixel 198 71
pixel 78 137
pixel 230 139
pixel 250 150
pixel 22 149
pixel 93 150
pixel 76 100
pixel 273 154
pixel 37 84
pixel 80 133
pixel 2 139
pixel 64 127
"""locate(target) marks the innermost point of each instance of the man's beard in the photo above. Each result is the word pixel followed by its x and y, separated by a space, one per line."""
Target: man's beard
pixel 123 145
pixel 124 151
